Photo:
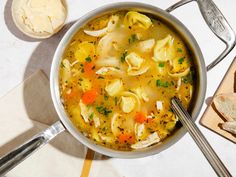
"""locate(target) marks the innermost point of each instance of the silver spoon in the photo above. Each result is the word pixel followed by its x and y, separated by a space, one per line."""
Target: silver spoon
pixel 199 138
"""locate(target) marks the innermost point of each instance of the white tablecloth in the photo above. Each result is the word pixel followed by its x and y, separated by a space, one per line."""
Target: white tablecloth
pixel 20 56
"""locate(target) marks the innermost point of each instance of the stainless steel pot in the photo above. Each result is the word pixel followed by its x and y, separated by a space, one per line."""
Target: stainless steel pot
pixel 215 21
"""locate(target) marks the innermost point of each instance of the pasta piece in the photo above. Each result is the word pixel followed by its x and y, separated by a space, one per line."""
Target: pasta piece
pixel 95 135
pixel 159 105
pixel 110 27
pixel 114 127
pixel 105 46
pixel 137 20
pixel 139 130
pixel 85 49
pixel 127 104
pixel 170 125
pixel 133 95
pixel 85 84
pixel 88 113
pixel 147 45
pixel 180 67
pixel 181 74
pixel 106 138
pixel 84 111
pixel 164 50
pixel 96 120
pixel 141 71
pixel 178 84
pixel 136 64
pixel 134 61
pixel 114 87
pixel 66 72
pixel 109 61
pixel 110 71
pixel 150 140
pixel 119 124
pixel 140 92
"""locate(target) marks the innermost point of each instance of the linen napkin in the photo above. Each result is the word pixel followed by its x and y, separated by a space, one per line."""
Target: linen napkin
pixel 27 110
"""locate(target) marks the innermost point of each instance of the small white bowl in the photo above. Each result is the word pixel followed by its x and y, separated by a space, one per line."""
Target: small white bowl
pixel 16 5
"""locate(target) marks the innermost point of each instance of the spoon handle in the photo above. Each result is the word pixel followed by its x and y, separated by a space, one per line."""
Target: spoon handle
pixel 199 138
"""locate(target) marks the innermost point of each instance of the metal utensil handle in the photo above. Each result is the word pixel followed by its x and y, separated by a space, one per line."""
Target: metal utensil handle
pixel 216 22
pixel 12 159
pixel 199 138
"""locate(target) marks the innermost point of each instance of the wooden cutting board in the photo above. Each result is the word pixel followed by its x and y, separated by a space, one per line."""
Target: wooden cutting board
pixel 211 119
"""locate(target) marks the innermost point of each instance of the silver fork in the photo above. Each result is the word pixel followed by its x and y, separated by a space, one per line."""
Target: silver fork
pixel 199 138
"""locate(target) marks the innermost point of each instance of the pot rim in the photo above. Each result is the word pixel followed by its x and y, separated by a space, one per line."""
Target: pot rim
pixel 112 7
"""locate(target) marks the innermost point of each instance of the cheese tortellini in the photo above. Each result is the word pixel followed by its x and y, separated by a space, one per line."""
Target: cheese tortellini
pixel 114 87
pixel 164 49
pixel 137 20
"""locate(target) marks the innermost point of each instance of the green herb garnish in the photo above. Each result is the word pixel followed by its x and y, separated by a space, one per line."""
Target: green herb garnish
pixel 122 58
pixel 62 65
pixel 188 79
pixel 159 83
pixel 88 59
pixel 116 100
pixel 161 64
pixel 181 60
pixel 132 38
pixel 106 97
pixel 103 110
pixel 179 50
pixel 117 67
pixel 91 116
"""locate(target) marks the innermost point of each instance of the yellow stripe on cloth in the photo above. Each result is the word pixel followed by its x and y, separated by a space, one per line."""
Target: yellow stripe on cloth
pixel 87 163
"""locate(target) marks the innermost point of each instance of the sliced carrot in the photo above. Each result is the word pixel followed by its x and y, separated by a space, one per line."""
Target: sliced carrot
pixel 140 117
pixel 74 93
pixel 89 96
pixel 126 138
pixel 88 68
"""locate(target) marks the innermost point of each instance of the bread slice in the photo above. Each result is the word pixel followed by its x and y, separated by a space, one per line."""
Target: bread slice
pixel 230 127
pixel 226 105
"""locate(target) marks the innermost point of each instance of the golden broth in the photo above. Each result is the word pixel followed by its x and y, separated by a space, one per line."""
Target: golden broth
pixel 117 77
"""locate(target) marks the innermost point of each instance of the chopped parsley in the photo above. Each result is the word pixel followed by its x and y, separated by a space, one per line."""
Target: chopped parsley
pixel 117 68
pixel 132 38
pixel 159 83
pixel 161 64
pixel 188 78
pixel 91 116
pixel 181 60
pixel 116 100
pixel 179 50
pixel 88 59
pixel 106 97
pixel 122 58
pixel 62 65
pixel 103 110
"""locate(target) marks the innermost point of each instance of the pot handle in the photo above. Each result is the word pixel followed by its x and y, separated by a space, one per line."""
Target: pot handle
pixel 216 22
pixel 10 160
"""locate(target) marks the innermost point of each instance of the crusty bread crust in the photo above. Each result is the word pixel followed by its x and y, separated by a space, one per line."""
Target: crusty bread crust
pixel 226 105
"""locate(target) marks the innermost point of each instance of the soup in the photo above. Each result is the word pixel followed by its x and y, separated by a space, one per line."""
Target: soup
pixel 118 75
